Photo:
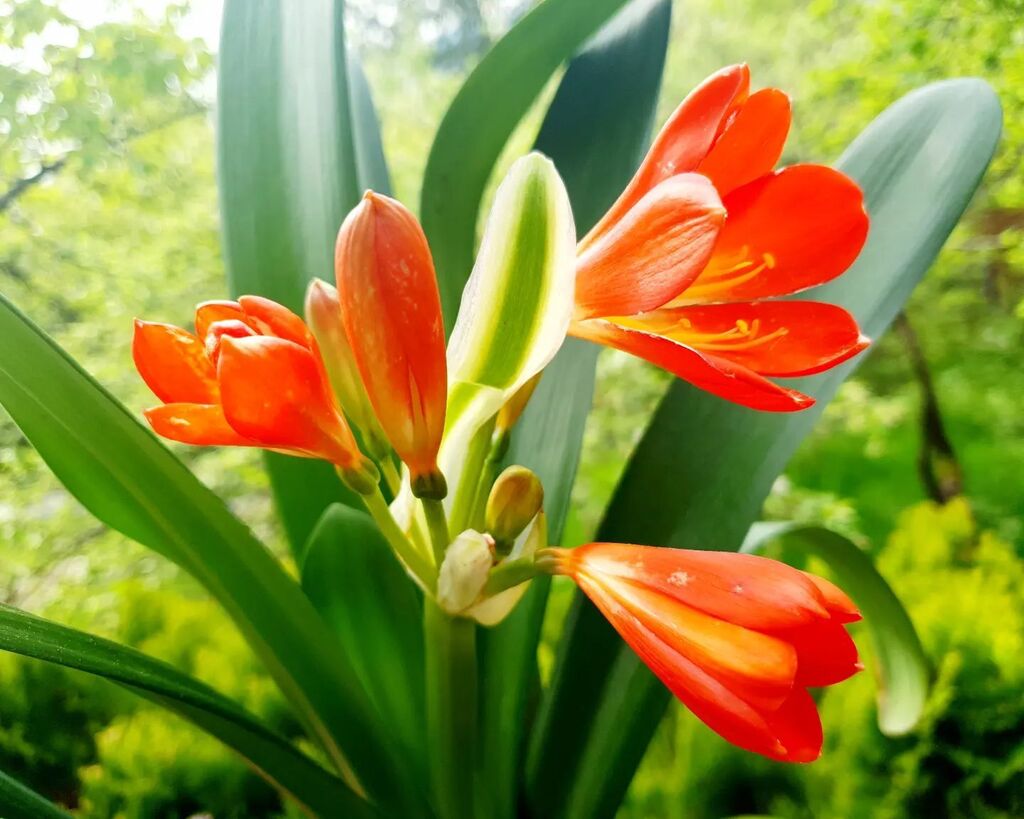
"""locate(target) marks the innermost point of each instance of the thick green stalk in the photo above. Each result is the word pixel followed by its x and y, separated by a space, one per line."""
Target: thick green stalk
pixel 452 710
pixel 390 473
pixel 437 525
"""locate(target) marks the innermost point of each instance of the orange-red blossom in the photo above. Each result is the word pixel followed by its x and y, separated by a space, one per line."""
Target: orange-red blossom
pixel 250 375
pixel 738 638
pixel 391 311
pixel 678 270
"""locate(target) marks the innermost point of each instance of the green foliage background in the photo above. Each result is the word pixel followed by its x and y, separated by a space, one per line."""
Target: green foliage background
pixel 108 210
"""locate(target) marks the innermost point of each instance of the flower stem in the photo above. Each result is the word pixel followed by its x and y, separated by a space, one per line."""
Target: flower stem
pixel 451 710
pixel 416 562
pixel 437 525
pixel 391 476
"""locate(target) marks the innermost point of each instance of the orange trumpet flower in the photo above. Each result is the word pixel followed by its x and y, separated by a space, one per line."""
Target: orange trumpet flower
pixel 737 638
pixel 391 310
pixel 677 270
pixel 251 375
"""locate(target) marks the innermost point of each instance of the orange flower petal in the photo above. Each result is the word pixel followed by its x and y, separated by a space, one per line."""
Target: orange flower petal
pixel 173 363
pixel 711 373
pixel 196 424
pixel 273 392
pixel 210 311
pixel 683 141
pixel 826 654
pixel 391 310
pixel 839 605
pixel 752 142
pixel 797 725
pixel 274 319
pixel 758 667
pixel 747 590
pixel 651 254
pixel 797 228
pixel 711 701
pixel 774 338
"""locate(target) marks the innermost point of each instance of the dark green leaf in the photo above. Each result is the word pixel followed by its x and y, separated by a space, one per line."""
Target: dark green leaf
pixel 20 802
pixel 479 122
pixel 271 755
pixel 297 144
pixel 903 671
pixel 128 480
pixel 355 582
pixel 704 467
pixel 595 131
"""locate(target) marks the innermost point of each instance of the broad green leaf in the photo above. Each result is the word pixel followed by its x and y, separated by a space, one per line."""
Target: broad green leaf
pixel 703 468
pixel 595 131
pixel 902 668
pixel 128 480
pixel 376 612
pixel 20 802
pixel 479 122
pixel 272 756
pixel 515 310
pixel 297 143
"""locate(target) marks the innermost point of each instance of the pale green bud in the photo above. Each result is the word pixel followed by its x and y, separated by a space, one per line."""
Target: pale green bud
pixel 323 316
pixel 516 498
pixel 467 563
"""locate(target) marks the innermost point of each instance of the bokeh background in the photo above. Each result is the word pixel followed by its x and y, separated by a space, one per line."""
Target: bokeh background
pixel 108 210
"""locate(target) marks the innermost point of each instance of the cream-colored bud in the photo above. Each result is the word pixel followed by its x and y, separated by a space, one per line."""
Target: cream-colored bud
pixel 467 563
pixel 323 315
pixel 516 498
pixel 499 599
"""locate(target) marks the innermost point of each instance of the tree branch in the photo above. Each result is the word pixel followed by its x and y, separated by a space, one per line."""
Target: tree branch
pixel 937 463
pixel 22 185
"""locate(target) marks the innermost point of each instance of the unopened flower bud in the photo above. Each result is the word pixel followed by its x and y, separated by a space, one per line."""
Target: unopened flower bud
pixel 391 311
pixel 467 563
pixel 498 598
pixel 515 500
pixel 323 315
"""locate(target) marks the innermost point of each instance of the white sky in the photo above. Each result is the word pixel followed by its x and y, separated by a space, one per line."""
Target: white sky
pixel 203 19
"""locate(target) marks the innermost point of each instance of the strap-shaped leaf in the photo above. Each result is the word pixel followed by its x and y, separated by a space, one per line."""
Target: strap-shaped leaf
pixel 271 755
pixel 355 582
pixel 595 132
pixel 298 142
pixel 703 468
pixel 20 802
pixel 128 480
pixel 516 307
pixel 479 122
pixel 902 670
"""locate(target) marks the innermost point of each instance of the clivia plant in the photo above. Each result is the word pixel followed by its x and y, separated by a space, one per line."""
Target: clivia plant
pixel 423 413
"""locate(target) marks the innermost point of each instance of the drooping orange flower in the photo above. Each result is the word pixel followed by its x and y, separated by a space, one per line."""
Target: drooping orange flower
pixel 391 310
pixel 678 270
pixel 737 638
pixel 250 375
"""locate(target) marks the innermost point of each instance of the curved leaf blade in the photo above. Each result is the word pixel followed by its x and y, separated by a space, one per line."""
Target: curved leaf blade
pixel 20 802
pixel 479 122
pixel 919 164
pixel 128 480
pixel 352 577
pixel 903 670
pixel 272 756
pixel 297 142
